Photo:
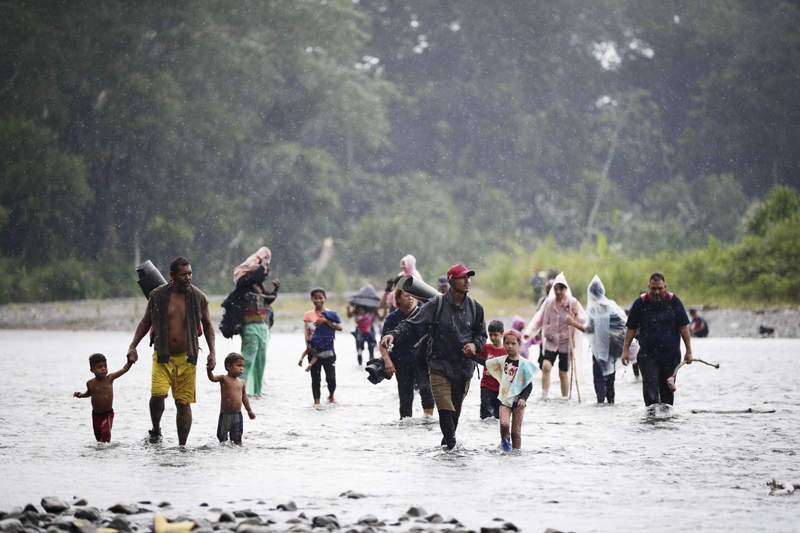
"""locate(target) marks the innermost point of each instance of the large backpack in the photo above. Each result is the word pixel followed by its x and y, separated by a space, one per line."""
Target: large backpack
pixel 233 304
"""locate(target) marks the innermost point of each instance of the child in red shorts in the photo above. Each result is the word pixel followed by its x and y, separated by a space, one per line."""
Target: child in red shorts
pixel 101 390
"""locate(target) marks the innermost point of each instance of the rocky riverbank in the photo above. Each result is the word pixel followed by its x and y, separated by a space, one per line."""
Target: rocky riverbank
pixel 123 314
pixel 55 515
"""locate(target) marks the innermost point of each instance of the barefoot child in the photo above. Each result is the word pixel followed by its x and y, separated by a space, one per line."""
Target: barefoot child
pixel 233 393
pixel 101 390
pixel 321 326
pixel 515 376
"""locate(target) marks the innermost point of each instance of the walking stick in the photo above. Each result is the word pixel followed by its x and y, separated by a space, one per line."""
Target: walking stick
pixel 671 379
pixel 572 359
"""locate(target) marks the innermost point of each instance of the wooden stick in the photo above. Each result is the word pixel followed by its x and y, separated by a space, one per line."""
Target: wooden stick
pixel 572 357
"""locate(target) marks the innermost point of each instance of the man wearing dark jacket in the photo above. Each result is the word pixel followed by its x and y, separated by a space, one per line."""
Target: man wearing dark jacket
pixel 456 337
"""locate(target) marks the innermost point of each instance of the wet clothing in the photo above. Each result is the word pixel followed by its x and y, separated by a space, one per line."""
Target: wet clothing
pixel 329 364
pixel 563 359
pixel 255 340
pixel 655 371
pixel 659 326
pixel 322 337
pixel 177 374
pixel 551 318
pixel 457 327
pixel 603 385
pixel 449 369
pixel 489 352
pixel 490 404
pixel 699 327
pixel 408 375
pixel 407 372
pixel 101 423
pixel 196 305
pixel 448 395
pixel 230 427
pixel 489 385
pixel 510 374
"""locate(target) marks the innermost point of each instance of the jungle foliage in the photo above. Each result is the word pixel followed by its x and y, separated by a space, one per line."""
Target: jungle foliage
pixel 459 131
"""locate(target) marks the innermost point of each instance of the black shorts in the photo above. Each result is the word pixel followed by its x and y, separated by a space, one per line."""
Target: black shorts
pixel 563 359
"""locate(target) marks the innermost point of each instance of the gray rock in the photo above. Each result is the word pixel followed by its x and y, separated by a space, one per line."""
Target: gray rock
pixel 164 504
pixel 79 502
pixel 31 529
pixel 31 518
pixel 204 529
pixel 491 530
pixel 300 528
pixel 226 517
pixel 288 506
pixel 320 530
pixel 30 508
pixel 11 525
pixel 63 524
pixel 435 518
pixel 88 513
pixel 248 522
pixel 326 521
pixel 54 505
pixel 121 508
pixel 416 511
pixel 352 494
pixel 121 524
pixel 368 520
pixel 201 523
pixel 297 520
pixel 508 526
pixel 551 530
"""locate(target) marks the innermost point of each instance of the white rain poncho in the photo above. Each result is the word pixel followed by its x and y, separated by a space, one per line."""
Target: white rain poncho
pixel 605 327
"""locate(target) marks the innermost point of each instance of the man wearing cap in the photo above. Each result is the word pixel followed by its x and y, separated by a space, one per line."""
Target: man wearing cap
pixel 456 334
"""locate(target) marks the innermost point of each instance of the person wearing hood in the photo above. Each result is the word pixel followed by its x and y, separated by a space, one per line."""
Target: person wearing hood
pixel 551 318
pixel 408 266
pixel 606 329
pixel 457 327
pixel 256 318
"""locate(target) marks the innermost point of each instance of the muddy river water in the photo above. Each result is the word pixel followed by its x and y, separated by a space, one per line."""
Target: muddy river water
pixel 583 467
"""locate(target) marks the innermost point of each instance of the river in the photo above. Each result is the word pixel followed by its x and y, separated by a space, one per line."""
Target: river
pixel 583 467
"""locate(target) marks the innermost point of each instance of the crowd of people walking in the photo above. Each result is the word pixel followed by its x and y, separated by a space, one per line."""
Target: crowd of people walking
pixel 430 339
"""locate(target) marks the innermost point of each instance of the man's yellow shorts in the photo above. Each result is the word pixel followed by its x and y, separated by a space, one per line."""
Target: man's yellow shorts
pixel 179 374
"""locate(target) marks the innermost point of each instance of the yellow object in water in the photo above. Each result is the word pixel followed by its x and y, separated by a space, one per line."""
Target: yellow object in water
pixel 162 525
pixel 107 530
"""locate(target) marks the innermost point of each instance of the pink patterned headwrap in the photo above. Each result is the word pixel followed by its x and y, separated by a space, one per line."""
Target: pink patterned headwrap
pixel 261 257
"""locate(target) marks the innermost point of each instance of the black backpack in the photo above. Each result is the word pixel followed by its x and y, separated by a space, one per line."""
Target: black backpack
pixel 233 304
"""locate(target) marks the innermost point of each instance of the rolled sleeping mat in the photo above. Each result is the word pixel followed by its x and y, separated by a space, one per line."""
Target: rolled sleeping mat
pixel 149 277
pixel 416 288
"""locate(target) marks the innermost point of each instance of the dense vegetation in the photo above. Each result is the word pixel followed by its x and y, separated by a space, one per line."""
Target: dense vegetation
pixel 616 136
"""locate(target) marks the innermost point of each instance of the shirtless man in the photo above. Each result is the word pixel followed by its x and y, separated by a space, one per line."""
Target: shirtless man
pixel 175 311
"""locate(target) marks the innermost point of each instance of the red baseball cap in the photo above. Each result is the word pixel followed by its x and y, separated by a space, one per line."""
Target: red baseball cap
pixel 458 271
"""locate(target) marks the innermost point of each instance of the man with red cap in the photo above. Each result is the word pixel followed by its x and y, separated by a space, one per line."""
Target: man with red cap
pixel 456 328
